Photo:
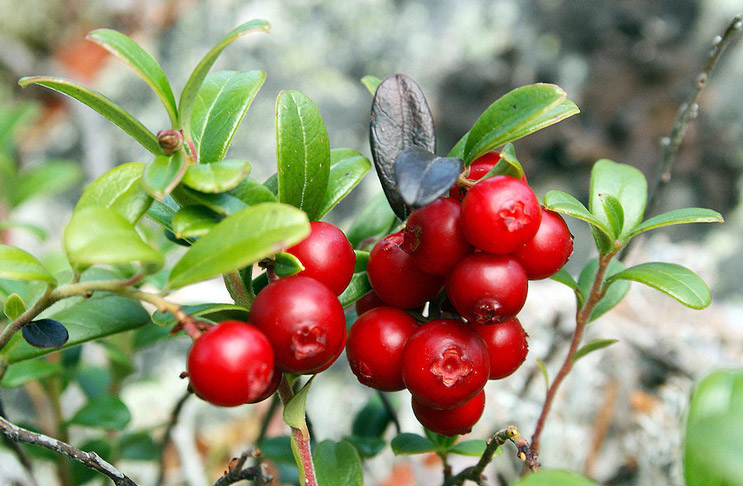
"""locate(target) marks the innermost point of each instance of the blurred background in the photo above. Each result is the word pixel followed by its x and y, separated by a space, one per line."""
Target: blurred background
pixel 628 66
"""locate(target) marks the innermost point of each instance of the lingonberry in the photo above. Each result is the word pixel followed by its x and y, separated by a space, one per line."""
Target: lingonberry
pixel 478 168
pixel 230 364
pixel 445 364
pixel 457 421
pixel 327 256
pixel 507 346
pixel 368 301
pixel 499 214
pixel 434 238
pixel 304 322
pixel 396 279
pixel 375 345
pixel 546 253
pixel 487 289
pixel 272 387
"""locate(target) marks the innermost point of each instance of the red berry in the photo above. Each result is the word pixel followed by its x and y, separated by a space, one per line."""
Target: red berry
pixel 230 364
pixel 434 238
pixel 499 214
pixel 457 421
pixel 478 168
pixel 327 256
pixel 445 364
pixel 272 387
pixel 487 289
pixel 507 346
pixel 375 345
pixel 396 279
pixel 368 301
pixel 304 322
pixel 549 250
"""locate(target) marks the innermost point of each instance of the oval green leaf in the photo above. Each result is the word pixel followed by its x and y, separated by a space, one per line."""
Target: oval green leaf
pixel 119 189
pixel 555 478
pixel 678 216
pixel 222 203
pixel 592 346
pixel 473 448
pixel 286 265
pixel 223 100
pixel 95 100
pixel 627 184
pixel 371 83
pixel 194 221
pixel 240 240
pixel 613 295
pixel 294 409
pixel 337 464
pixel 252 192
pixel 356 289
pixel 507 165
pixel 22 373
pixel 16 264
pixel 106 412
pixel 407 443
pixel 674 280
pixel 564 203
pixel 347 168
pixel 216 177
pixel 163 174
pixel 614 213
pixel 14 306
pixel 213 312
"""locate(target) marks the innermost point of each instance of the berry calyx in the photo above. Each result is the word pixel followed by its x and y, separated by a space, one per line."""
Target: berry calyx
pixel 549 249
pixel 457 421
pixel 507 346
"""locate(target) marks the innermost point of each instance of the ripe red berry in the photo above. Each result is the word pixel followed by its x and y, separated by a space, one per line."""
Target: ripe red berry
pixel 507 346
pixel 304 322
pixel 478 168
pixel 499 214
pixel 445 364
pixel 433 237
pixel 375 346
pixel 487 289
pixel 327 256
pixel 457 421
pixel 271 389
pixel 368 301
pixel 396 279
pixel 549 250
pixel 230 364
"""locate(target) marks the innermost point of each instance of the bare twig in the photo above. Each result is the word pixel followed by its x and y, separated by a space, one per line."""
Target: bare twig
pixel 238 472
pixel 168 430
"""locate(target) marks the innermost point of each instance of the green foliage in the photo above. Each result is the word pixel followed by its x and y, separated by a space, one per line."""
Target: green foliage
pixel 337 464
pixel 408 443
pixel 194 221
pixel 614 294
pixel 17 264
pixel 472 448
pixel 14 306
pixel 47 179
pixel 119 189
pixel 294 409
pixel 592 346
pixel 678 216
pixel 106 412
pixel 674 280
pixel 507 165
pixel 163 174
pixel 216 177
pixel 213 312
pixel 374 221
pixel 627 186
pixel 347 168
pixel 21 373
pixel 555 478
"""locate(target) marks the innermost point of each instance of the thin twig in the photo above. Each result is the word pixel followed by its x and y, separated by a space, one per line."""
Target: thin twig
pixel 174 415
pixel 238 472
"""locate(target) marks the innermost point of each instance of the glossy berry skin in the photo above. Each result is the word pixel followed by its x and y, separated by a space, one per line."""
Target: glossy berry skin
pixel 499 214
pixel 396 279
pixel 549 250
pixel 433 237
pixel 368 301
pixel 445 364
pixel 507 346
pixel 457 421
pixel 272 387
pixel 304 322
pixel 375 345
pixel 487 289
pixel 230 364
pixel 478 168
pixel 327 256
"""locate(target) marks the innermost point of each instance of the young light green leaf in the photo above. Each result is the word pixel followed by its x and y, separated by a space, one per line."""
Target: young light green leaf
pixel 294 409
pixel 555 477
pixel 162 212
pixel 376 219
pixel 594 345
pixel 337 464
pixel 102 236
pixel 119 189
pixel 347 168
pixel 213 312
pixel 357 288
pixel 614 213
pixel 371 83
pixel 507 165
pixel 106 412
pixel 678 216
pixel 14 306
pixel 193 85
pixel 223 203
pixel 35 230
pixel 252 192
pixel 564 277
pixel 194 221
pixel 163 174
pixel 472 448
pixel 545 374
pixel 516 114
pixel 241 239
pixel 216 177
pixel 564 203
pixel 407 443
pixel 47 179
pixel 286 264
pixel 674 280
pixel 21 373
pixel 626 184
pixel 615 292
pixel 95 100
pixel 223 100
pixel 141 62
pixel 16 264
pixel 302 152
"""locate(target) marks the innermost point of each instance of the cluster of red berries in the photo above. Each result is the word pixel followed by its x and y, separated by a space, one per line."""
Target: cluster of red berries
pixel 297 325
pixel 481 251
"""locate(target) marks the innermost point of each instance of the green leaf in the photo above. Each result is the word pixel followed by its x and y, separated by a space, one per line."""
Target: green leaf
pixel 139 446
pixel 564 277
pixel 626 184
pixel 371 83
pixel 407 443
pixel 240 240
pixel 507 165
pixel 337 464
pixel 302 152
pixel 22 373
pixel 372 420
pixel 294 409
pixel 376 219
pixel 102 236
pixel 367 446
pixel 190 92
pixel 678 216
pixel 443 442
pixel 140 61
pixel 119 189
pixel 712 445
pixel 516 114
pixel 163 174
pixel 223 203
pixel 614 294
pixel 94 380
pixel 106 412
pixel 555 478
pixel 14 306
pixel 13 119
pixel 216 177
pixel 214 312
pixel 357 288
pixel 278 449
pixel 252 192
pixel 17 264
pixel 47 179
pixel 564 203
pixel 674 280
pixel 347 168
pixel 614 213
pixel 286 264
pixel 31 228
pixel 473 448
pixel 592 346
pixel 194 221
pixel 223 100
pixel 86 319
pixel 162 212
pixel 95 100
pixel 545 374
